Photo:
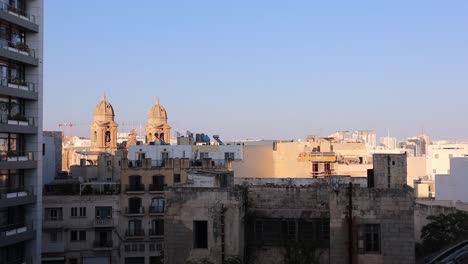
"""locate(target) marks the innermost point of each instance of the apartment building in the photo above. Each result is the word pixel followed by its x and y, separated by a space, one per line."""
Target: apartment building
pixel 21 91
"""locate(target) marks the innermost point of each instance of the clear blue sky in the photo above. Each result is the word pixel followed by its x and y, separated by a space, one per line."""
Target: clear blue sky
pixel 261 69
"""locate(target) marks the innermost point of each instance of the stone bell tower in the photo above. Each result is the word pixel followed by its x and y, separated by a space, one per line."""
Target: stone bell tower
pixel 157 129
pixel 104 128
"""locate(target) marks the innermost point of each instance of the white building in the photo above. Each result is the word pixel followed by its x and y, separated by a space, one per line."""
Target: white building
pixel 440 153
pixel 453 186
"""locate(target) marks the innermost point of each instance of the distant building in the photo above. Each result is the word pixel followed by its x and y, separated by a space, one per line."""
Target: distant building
pixel 52 155
pixel 453 186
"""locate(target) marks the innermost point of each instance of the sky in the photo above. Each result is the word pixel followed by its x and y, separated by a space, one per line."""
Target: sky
pixel 261 69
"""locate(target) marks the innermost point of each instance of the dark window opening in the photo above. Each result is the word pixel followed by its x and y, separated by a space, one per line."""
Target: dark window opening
pixel 369 238
pixel 200 231
pixel 176 178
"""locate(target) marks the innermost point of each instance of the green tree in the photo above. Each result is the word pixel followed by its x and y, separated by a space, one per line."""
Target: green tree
pixel 444 230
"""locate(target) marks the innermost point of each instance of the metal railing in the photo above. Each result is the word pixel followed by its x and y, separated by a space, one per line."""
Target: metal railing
pixel 17 12
pixel 199 163
pixel 134 210
pixel 154 232
pixel 18 84
pixel 18 120
pixel 21 48
pixel 156 209
pixel 156 187
pixel 103 243
pixel 16 155
pixel 135 232
pixel 135 188
pixel 8 193
pixel 103 222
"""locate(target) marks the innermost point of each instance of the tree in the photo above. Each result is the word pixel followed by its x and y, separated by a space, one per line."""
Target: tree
pixel 444 230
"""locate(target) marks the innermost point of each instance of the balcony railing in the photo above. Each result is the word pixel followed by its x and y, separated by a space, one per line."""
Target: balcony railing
pixel 135 233
pixel 135 188
pixel 17 12
pixel 199 163
pixel 18 120
pixel 154 232
pixel 15 229
pixel 156 209
pixel 156 188
pixel 8 193
pixel 18 84
pixel 21 48
pixel 103 243
pixel 103 222
pixel 135 210
pixel 16 155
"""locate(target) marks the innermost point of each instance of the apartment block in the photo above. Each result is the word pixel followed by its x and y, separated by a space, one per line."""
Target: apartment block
pixel 21 92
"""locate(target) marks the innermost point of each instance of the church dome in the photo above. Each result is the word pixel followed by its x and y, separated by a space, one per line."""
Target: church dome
pixel 157 112
pixel 104 109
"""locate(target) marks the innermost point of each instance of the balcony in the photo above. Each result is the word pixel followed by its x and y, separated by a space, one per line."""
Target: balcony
pixel 15 233
pixel 156 210
pixel 105 222
pixel 135 189
pixel 17 160
pixel 18 88
pixel 18 17
pixel 155 234
pixel 53 223
pixel 103 245
pixel 135 233
pixel 156 188
pixel 18 124
pixel 18 52
pixel 16 196
pixel 135 211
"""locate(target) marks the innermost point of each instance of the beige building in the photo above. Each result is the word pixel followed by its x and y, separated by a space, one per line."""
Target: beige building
pixel 312 157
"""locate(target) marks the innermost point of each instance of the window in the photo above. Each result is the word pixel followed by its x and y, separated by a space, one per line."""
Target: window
pixel 228 155
pixel 450 156
pixel 82 211
pixel 134 205
pixel 75 210
pixel 53 214
pixel 200 234
pixel 77 235
pixel 157 227
pixel 158 183
pixel 55 236
pixel 176 178
pixel 73 261
pixel 278 232
pixel 436 156
pixel 134 228
pixel 157 205
pixel 104 212
pixel 204 155
pixel 369 238
pixel 164 155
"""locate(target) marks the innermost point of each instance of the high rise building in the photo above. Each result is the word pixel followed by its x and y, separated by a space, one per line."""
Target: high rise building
pixel 21 91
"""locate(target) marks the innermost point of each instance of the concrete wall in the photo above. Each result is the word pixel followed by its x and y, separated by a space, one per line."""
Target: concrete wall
pixel 454 186
pixel 185 205
pixel 416 169
pixel 257 162
pixel 52 159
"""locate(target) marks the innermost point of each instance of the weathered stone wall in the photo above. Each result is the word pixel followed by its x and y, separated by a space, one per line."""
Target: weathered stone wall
pixel 391 208
pixel 185 205
pixel 390 170
pixel 293 203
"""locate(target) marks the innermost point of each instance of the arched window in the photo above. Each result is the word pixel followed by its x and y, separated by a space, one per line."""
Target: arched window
pixel 108 136
pixel 134 184
pixel 157 205
pixel 158 183
pixel 134 205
